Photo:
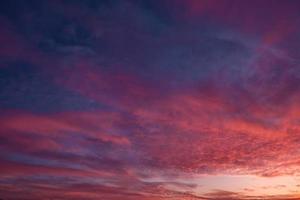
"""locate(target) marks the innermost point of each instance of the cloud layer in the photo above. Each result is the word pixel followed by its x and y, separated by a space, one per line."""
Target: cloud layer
pixel 149 100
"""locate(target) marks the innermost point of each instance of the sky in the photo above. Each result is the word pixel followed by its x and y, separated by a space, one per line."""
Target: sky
pixel 149 100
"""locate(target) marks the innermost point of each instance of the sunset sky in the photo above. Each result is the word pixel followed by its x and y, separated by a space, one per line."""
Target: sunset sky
pixel 149 99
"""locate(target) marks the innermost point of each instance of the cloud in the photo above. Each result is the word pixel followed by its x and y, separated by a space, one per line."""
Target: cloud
pixel 136 100
pixel 62 124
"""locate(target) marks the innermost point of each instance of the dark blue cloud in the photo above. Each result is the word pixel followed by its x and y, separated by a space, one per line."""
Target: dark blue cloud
pixel 22 86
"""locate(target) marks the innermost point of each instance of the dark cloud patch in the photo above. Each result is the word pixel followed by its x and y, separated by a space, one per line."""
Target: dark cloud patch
pixel 24 87
pixel 135 36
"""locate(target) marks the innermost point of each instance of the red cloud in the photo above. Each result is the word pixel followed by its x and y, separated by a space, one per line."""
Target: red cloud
pixel 94 125
pixel 15 169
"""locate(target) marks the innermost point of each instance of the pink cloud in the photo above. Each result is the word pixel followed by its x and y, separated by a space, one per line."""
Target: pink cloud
pixel 90 124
